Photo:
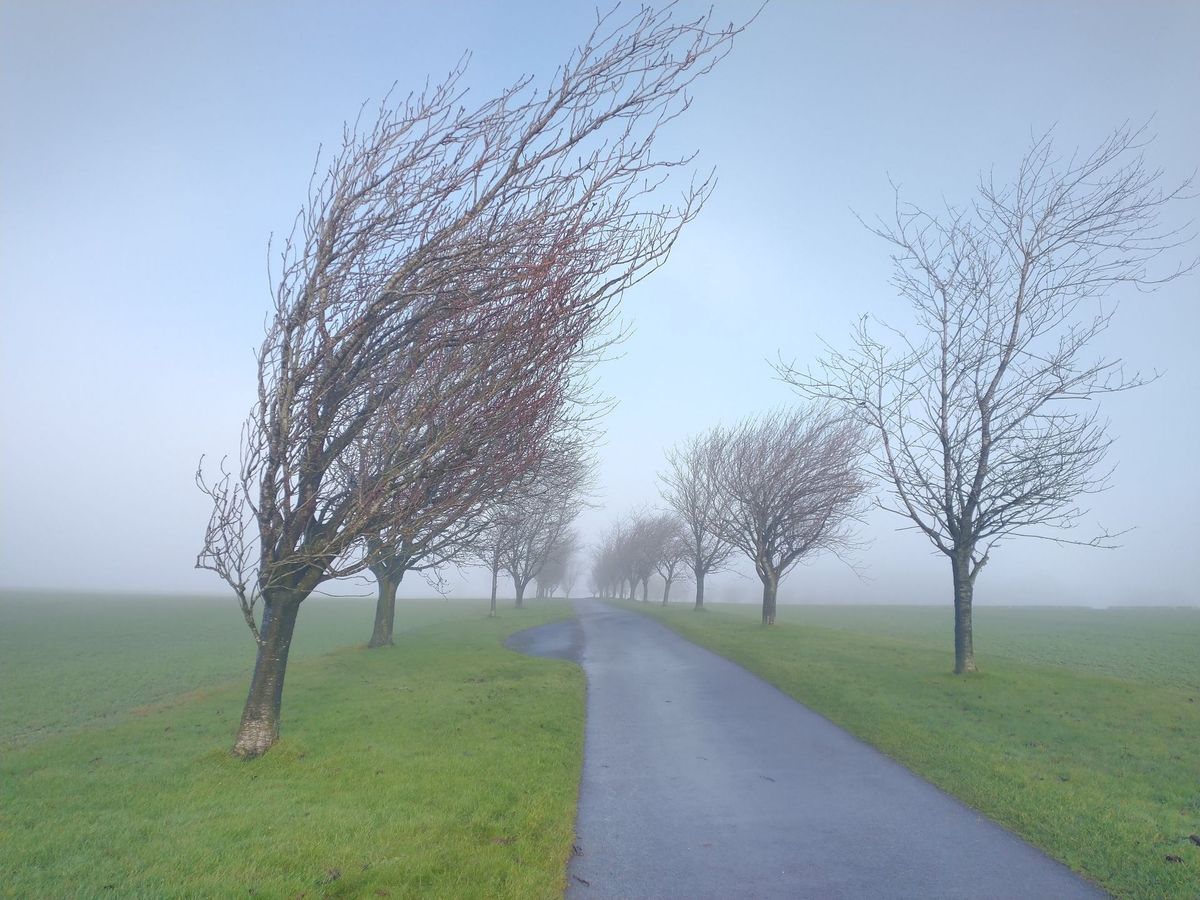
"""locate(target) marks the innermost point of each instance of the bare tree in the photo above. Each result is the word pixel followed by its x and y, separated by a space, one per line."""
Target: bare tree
pixel 672 543
pixel 790 483
pixel 986 422
pixel 642 550
pixel 690 487
pixel 606 564
pixel 612 569
pixel 554 571
pixel 571 573
pixel 411 544
pixel 440 227
pixel 532 528
pixel 448 513
pixel 534 533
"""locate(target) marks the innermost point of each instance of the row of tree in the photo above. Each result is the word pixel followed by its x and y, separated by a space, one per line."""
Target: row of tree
pixel 424 393
pixel 978 419
pixel 422 387
pixel 779 488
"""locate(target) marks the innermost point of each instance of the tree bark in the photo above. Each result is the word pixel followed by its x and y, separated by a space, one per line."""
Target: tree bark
pixel 385 607
pixel 964 589
pixel 495 578
pixel 770 588
pixel 259 728
pixel 666 590
pixel 699 589
pixel 520 586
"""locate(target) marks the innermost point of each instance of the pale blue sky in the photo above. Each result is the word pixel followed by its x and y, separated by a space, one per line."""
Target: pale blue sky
pixel 148 149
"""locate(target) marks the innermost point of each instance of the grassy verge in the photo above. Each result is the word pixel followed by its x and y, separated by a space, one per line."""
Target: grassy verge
pixel 1100 771
pixel 445 766
pixel 83 659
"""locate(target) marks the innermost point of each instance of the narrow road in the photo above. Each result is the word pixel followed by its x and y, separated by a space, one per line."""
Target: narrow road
pixel 701 780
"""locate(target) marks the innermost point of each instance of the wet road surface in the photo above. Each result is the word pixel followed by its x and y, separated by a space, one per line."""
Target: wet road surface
pixel 701 780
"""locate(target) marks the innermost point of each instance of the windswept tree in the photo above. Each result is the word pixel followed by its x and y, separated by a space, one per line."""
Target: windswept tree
pixel 448 452
pixel 672 549
pixel 554 573
pixel 534 532
pixel 440 227
pixel 643 548
pixel 984 406
pixel 791 487
pixel 531 529
pixel 574 569
pixel 612 568
pixel 453 504
pixel 606 566
pixel 690 487
pixel 425 542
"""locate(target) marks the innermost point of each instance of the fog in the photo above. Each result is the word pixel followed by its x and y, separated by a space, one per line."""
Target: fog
pixel 149 150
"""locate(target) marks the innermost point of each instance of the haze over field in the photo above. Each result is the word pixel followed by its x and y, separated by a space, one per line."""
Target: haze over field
pixel 150 150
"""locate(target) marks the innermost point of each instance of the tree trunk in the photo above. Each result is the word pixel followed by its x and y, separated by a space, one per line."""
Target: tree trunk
pixel 964 588
pixel 520 586
pixel 259 728
pixel 385 607
pixel 770 588
pixel 645 590
pixel 699 589
pixel 666 590
pixel 495 578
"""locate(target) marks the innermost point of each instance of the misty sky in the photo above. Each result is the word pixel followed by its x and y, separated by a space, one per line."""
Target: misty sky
pixel 149 149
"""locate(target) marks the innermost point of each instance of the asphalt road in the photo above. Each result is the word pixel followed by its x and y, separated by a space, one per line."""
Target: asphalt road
pixel 701 780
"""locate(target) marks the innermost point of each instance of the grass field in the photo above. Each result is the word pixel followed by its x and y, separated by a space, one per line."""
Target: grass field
pixel 1081 733
pixel 446 766
pixel 70 660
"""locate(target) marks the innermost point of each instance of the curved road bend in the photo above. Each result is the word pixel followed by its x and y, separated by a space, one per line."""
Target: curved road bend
pixel 701 780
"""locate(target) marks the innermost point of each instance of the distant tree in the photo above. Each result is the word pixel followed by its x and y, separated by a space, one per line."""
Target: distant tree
pixel 533 528
pixel 572 573
pixel 531 537
pixel 612 568
pixel 643 550
pixel 689 486
pixel 440 491
pixel 790 486
pixel 984 416
pixel 554 571
pixel 436 228
pixel 672 542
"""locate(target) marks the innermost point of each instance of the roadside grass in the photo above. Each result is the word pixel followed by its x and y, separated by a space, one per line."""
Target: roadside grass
pixel 1100 771
pixel 446 766
pixel 77 659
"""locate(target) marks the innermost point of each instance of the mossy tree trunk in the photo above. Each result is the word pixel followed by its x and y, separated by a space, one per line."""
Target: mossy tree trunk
pixel 259 727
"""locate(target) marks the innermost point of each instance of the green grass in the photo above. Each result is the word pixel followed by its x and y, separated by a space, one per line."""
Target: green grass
pixel 70 660
pixel 446 766
pixel 1082 732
